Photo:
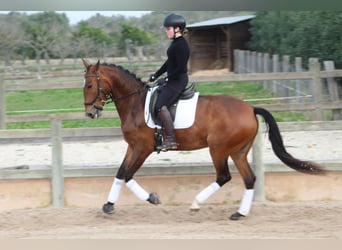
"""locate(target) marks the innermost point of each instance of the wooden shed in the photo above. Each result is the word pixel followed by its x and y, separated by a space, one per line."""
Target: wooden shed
pixel 212 42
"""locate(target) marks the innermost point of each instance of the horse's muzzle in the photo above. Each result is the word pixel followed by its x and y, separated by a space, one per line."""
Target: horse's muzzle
pixel 95 112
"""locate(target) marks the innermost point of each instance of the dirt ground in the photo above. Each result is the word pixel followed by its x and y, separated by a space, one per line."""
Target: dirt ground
pixel 267 220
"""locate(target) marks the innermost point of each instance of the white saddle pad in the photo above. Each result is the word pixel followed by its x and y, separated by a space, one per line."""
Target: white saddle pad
pixel 185 113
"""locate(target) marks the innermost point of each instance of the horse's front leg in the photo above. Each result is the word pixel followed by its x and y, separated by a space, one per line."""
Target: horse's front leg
pixel 133 160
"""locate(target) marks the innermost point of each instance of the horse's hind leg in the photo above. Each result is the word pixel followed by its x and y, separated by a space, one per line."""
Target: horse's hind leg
pixel 241 163
pixel 222 177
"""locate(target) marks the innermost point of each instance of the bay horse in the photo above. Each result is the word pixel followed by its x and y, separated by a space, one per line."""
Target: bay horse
pixel 223 123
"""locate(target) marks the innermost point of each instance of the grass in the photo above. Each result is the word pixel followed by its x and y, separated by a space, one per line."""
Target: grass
pixel 242 90
pixel 249 90
pixel 44 101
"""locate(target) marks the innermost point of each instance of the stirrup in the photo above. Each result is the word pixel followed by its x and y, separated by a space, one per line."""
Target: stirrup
pixel 167 145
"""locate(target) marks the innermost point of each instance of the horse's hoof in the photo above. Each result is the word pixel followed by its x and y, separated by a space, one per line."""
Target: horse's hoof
pixel 108 208
pixel 236 216
pixel 194 206
pixel 154 199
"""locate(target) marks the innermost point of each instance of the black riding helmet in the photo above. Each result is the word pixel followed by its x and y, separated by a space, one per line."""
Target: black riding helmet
pixel 174 20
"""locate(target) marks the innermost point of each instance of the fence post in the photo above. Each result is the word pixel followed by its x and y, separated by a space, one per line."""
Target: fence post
pixel 243 61
pixel 236 61
pixel 259 62
pixel 57 181
pixel 299 83
pixel 258 165
pixel 286 84
pixel 254 62
pixel 2 103
pixel 317 88
pixel 266 68
pixel 333 90
pixel 275 68
pixel 248 61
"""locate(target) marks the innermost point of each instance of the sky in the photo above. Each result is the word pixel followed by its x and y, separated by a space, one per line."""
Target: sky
pixel 77 16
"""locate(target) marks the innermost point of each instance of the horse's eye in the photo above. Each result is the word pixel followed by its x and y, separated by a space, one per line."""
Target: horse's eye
pixel 89 86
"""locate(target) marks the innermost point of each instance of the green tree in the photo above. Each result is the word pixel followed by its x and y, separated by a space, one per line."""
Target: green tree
pixel 11 35
pixel 299 33
pixel 320 35
pixel 43 31
pixel 98 35
pixel 89 40
pixel 138 37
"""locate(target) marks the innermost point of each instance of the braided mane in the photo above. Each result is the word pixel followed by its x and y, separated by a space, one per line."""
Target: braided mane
pixel 126 71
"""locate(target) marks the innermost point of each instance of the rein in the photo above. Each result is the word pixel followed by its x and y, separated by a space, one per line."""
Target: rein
pixel 109 97
pixel 128 95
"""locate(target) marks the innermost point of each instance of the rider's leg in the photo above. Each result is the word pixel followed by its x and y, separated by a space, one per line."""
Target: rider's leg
pixel 166 119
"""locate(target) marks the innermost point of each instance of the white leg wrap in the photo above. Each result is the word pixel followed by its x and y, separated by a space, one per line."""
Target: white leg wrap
pixel 115 190
pixel 246 202
pixel 137 190
pixel 207 192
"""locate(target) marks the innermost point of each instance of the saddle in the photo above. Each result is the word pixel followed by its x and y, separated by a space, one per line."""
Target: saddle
pixel 187 93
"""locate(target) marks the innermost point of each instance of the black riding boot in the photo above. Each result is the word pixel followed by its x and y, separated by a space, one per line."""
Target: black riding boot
pixel 169 138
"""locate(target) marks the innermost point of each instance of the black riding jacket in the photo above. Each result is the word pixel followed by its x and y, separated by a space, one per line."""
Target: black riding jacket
pixel 176 68
pixel 177 59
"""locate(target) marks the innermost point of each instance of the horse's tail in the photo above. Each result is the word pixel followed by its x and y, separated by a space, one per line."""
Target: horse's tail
pixel 279 148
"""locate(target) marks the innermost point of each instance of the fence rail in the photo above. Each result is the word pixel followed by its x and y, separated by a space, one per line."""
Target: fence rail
pixel 57 173
pixel 56 133
pixel 229 77
pixel 317 106
pixel 254 63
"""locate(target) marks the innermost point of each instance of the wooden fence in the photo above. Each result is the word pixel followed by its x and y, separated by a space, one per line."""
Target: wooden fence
pixel 57 173
pixel 317 107
pixel 253 62
pixel 56 133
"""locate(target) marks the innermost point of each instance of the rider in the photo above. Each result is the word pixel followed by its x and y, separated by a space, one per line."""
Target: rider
pixel 177 75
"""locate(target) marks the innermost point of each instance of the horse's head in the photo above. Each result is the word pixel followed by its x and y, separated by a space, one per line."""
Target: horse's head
pixel 94 94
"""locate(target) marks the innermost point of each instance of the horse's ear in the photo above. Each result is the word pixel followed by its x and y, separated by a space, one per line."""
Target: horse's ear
pixel 85 63
pixel 97 65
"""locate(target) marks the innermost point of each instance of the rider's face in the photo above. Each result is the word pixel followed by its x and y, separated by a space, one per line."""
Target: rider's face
pixel 170 31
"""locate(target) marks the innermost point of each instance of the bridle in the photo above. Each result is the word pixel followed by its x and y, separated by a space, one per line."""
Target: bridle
pixel 99 91
pixel 109 97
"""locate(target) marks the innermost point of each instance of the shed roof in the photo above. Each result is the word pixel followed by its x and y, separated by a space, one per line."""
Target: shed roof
pixel 220 21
